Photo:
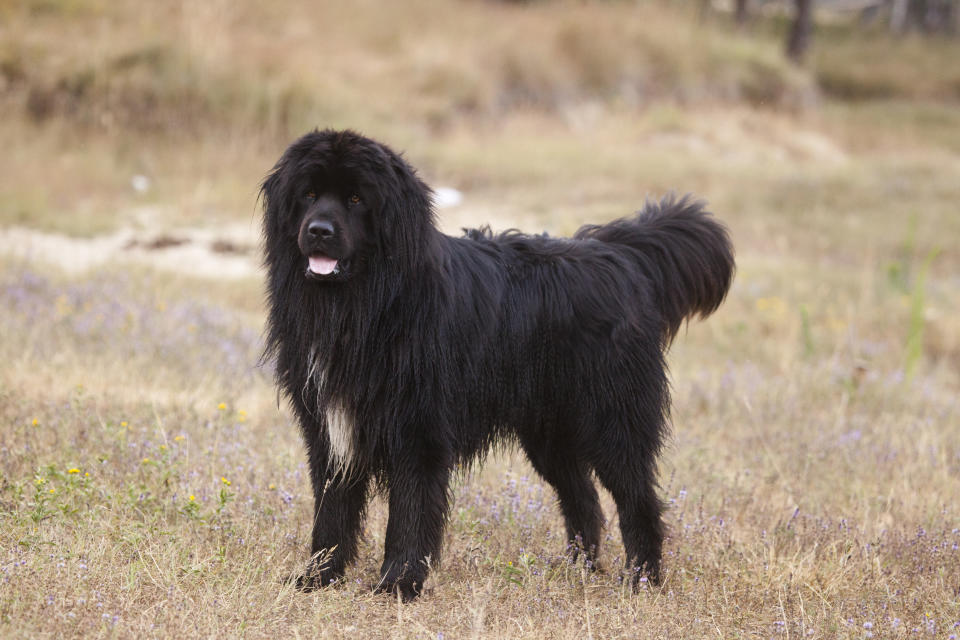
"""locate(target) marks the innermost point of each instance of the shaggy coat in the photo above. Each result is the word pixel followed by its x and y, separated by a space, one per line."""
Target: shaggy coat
pixel 406 352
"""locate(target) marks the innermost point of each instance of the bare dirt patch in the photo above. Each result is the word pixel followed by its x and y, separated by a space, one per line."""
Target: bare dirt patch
pixel 191 251
pixel 230 251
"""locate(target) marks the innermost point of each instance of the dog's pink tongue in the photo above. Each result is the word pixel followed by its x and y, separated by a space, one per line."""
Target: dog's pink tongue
pixel 321 265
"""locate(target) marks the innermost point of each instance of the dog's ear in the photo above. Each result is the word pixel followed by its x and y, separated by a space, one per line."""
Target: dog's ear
pixel 275 194
pixel 407 227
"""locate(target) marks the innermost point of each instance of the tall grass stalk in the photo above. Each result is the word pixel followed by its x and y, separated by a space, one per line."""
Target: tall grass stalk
pixel 914 345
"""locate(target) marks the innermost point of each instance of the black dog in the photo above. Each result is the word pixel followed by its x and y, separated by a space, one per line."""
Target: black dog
pixel 405 352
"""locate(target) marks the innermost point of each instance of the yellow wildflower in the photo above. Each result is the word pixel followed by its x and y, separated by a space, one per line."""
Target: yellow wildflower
pixel 222 406
pixel 836 324
pixel 774 305
pixel 74 470
pixel 63 305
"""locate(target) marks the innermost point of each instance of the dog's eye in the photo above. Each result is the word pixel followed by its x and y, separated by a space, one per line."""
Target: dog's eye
pixel 311 195
pixel 354 199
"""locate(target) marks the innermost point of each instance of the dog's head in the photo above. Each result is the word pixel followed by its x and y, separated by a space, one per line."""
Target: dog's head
pixel 341 204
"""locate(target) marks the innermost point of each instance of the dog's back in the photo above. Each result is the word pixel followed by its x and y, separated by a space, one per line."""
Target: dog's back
pixel 573 357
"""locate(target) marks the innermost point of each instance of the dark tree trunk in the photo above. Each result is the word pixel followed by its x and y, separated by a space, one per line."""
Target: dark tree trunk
pixel 742 12
pixel 799 39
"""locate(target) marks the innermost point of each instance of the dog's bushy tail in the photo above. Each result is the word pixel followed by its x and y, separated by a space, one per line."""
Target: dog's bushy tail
pixel 683 249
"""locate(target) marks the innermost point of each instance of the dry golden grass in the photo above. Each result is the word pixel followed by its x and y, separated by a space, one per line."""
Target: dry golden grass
pixel 812 486
pixel 149 484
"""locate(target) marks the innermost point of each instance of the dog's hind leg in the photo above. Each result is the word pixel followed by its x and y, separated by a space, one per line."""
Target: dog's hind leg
pixel 579 503
pixel 628 473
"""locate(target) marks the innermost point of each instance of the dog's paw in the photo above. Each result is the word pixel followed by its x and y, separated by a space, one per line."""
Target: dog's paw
pixel 407 585
pixel 314 578
pixel 643 577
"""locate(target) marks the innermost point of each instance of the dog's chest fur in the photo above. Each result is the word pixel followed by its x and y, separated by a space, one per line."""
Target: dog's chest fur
pixel 341 432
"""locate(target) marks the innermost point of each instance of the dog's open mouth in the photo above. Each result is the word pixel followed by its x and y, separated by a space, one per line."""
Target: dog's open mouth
pixel 324 266
pixel 321 267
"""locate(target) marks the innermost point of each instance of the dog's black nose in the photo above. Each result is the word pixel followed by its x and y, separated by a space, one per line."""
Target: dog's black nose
pixel 320 229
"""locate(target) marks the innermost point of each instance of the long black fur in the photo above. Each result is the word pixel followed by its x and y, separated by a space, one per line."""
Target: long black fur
pixel 431 348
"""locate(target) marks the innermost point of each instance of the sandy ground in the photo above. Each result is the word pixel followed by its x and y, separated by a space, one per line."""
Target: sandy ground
pixel 228 251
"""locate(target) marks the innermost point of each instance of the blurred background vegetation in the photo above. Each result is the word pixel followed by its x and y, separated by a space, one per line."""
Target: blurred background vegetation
pixel 200 97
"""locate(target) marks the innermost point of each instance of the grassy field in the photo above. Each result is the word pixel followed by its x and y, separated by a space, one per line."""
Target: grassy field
pixel 151 487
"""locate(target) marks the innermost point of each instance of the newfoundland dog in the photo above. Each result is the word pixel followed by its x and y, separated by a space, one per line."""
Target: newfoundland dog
pixel 406 352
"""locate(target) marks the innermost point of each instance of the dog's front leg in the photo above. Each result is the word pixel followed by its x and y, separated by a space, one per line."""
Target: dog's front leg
pixel 338 507
pixel 417 480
